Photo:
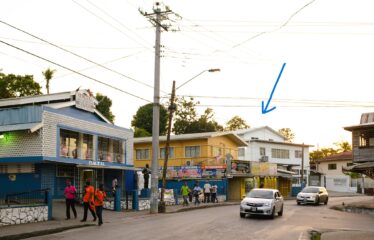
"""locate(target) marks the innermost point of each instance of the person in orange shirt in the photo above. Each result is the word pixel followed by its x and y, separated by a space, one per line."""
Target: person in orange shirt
pixel 100 195
pixel 88 201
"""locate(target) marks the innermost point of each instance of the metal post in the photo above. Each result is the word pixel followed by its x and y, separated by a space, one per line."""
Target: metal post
pixel 117 199
pixel 302 166
pixel 156 119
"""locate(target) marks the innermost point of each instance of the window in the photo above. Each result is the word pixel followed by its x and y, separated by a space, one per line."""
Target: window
pixel 104 154
pixel 193 151
pixel 366 138
pixel 216 151
pixel 87 147
pixel 163 152
pixel 117 151
pixel 298 154
pixel 142 154
pixel 332 166
pixel 68 143
pixel 262 151
pixel 280 153
pixel 241 152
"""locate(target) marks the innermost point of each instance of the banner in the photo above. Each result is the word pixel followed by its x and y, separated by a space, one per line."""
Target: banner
pixel 263 169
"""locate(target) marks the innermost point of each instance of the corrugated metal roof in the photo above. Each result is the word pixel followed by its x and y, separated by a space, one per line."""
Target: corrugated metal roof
pixel 17 127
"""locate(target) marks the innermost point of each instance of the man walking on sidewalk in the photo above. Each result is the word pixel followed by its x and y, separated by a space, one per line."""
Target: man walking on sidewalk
pixel 207 188
pixel 70 193
pixel 185 190
pixel 100 195
pixel 88 201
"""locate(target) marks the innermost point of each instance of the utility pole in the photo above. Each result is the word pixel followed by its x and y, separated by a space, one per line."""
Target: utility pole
pixel 302 165
pixel 172 107
pixel 156 19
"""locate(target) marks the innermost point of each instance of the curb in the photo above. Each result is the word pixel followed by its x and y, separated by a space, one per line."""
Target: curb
pixel 201 207
pixel 43 232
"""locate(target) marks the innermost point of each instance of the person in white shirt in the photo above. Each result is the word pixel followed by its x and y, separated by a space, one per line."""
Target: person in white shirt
pixel 214 194
pixel 207 188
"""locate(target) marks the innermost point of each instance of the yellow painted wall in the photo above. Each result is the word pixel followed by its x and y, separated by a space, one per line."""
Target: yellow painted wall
pixel 179 159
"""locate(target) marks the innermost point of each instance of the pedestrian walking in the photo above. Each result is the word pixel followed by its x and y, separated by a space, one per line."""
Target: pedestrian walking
pixel 114 186
pixel 100 195
pixel 185 191
pixel 88 201
pixel 70 194
pixel 207 188
pixel 196 193
pixel 213 193
pixel 146 171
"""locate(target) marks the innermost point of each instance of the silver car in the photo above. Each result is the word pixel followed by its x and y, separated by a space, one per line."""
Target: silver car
pixel 314 195
pixel 262 201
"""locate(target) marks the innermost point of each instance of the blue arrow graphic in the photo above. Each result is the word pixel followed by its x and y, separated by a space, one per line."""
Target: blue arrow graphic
pixel 265 109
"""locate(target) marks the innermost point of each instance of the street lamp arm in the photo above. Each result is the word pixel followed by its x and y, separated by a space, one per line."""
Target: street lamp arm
pixel 207 70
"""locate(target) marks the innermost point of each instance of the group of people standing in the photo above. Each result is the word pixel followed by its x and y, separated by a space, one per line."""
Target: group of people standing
pixel 210 193
pixel 92 201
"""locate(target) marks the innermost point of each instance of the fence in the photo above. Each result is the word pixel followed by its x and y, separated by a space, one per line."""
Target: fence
pixel 34 197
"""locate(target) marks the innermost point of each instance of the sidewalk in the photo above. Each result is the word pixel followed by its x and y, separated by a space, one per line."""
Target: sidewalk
pixel 59 223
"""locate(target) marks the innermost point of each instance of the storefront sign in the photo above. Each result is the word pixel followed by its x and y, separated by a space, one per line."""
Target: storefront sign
pixel 84 101
pixel 263 169
pixel 240 167
pixel 94 163
pixel 194 172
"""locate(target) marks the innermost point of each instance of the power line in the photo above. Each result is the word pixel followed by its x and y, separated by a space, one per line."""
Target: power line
pixel 77 55
pixel 277 29
pixel 67 68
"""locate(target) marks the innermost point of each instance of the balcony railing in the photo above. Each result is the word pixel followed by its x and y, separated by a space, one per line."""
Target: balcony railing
pixel 79 153
pixel 106 156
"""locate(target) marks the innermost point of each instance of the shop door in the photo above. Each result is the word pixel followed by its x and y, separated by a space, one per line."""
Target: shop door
pixel 87 175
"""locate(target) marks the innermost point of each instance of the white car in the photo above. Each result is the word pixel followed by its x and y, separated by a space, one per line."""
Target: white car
pixel 314 195
pixel 262 201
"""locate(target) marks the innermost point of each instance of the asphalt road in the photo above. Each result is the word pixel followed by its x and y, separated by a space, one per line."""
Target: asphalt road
pixel 225 223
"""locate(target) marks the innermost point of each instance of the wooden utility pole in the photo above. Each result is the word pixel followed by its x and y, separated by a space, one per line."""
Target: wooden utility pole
pixel 302 165
pixel 172 107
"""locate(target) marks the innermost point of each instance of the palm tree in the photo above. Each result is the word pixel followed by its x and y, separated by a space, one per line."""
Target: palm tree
pixel 48 75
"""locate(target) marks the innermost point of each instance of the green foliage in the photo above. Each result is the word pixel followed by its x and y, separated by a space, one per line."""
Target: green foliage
pixel 48 75
pixel 140 132
pixel 104 106
pixel 343 146
pixel 12 85
pixel 236 123
pixel 187 121
pixel 144 117
pixel 287 133
pixel 321 153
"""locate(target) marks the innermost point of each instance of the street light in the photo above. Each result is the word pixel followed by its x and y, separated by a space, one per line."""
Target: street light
pixel 207 70
pixel 172 108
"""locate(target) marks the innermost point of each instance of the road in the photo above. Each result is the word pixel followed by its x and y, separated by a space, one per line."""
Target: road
pixel 225 223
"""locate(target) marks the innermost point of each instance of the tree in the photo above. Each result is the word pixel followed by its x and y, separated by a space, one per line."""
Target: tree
pixel 12 85
pixel 343 146
pixel 140 132
pixel 321 153
pixel 48 75
pixel 287 133
pixel 187 121
pixel 236 123
pixel 144 117
pixel 104 106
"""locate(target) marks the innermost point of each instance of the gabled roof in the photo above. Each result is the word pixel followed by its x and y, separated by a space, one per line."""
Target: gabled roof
pixel 249 130
pixel 192 136
pixel 343 156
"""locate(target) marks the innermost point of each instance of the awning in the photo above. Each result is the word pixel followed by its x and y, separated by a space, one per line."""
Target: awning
pixel 285 173
pixel 23 126
pixel 107 167
pixel 363 168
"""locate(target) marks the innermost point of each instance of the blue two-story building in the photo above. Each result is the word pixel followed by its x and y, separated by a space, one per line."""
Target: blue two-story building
pixel 47 139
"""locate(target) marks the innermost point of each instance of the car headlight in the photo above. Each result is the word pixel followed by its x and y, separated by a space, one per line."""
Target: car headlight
pixel 267 204
pixel 312 197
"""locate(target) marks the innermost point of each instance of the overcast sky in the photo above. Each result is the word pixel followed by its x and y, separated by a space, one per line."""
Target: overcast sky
pixel 327 47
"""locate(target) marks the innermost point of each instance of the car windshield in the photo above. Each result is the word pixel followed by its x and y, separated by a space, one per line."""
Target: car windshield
pixel 260 194
pixel 310 190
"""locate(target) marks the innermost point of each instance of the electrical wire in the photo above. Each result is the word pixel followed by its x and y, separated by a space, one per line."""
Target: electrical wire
pixel 77 55
pixel 69 69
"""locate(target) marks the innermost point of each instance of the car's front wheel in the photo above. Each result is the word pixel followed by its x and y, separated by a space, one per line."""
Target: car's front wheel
pixel 242 215
pixel 272 213
pixel 317 201
pixel 280 213
pixel 327 200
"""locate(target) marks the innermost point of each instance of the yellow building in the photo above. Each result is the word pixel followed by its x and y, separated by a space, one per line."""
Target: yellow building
pixel 205 150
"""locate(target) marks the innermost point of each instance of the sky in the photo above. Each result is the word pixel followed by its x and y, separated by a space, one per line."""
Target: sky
pixel 327 47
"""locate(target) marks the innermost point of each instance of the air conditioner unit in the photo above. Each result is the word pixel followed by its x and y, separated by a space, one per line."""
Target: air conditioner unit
pixel 189 163
pixel 264 159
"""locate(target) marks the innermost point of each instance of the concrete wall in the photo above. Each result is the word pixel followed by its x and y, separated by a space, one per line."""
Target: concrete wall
pixel 31 144
pixel 19 215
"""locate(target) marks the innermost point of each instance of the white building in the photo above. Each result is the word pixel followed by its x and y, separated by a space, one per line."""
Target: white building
pixel 267 145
